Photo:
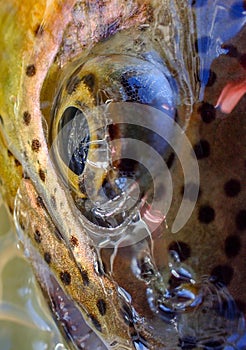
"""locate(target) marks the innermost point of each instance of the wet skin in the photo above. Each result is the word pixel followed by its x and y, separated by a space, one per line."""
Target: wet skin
pixel 88 55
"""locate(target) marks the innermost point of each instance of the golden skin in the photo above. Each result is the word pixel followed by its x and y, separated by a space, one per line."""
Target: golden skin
pixel 26 48
pixel 36 152
pixel 33 153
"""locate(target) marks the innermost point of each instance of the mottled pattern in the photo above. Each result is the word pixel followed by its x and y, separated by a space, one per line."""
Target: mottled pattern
pixel 138 296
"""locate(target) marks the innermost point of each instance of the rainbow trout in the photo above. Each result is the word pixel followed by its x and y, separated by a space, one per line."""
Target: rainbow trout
pixel 123 157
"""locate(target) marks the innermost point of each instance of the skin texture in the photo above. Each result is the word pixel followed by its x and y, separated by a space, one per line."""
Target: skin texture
pixel 39 48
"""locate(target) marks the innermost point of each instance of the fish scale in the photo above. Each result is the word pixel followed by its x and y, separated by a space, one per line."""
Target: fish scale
pixel 34 55
pixel 77 278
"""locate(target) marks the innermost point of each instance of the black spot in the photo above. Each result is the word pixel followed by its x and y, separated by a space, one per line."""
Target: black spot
pixel 223 273
pixel 30 70
pixel 47 257
pixel 232 246
pixel 41 175
pixel 89 81
pixel 1 120
pixel 17 163
pixel 102 307
pixel 73 84
pixel 37 236
pixel 27 117
pixel 74 241
pixel 206 214
pixel 170 160
pixel 65 278
pixel 232 188
pixel 232 50
pixel 85 277
pixel 96 323
pixel 10 154
pixel 202 149
pixel 40 202
pixel 36 145
pixel 241 220
pixel 207 112
pixel 182 248
pixel 242 60
pixel 202 44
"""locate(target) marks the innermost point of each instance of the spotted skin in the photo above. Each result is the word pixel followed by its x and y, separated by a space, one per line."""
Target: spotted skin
pixel 211 243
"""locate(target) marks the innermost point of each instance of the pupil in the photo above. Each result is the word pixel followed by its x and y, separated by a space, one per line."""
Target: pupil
pixel 74 138
pixel 78 159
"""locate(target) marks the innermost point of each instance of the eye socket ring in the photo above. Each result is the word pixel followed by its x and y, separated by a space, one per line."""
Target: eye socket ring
pixel 82 128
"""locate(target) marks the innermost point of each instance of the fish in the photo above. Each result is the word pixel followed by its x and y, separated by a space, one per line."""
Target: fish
pixel 123 165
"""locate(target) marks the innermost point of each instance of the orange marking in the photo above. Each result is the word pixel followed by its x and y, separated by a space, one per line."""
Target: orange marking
pixel 230 96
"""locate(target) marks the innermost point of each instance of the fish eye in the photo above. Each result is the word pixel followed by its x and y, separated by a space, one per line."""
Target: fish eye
pixel 85 129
